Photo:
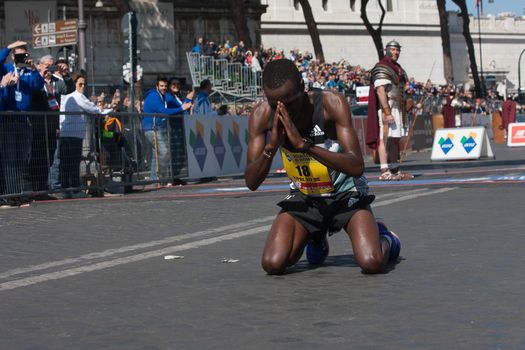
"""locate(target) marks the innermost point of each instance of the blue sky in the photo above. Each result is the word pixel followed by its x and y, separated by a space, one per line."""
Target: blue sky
pixel 497 6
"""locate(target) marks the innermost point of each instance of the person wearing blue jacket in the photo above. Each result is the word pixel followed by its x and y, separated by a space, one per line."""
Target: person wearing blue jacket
pixel 6 80
pixel 202 100
pixel 156 128
pixel 30 78
pixel 174 97
pixel 15 143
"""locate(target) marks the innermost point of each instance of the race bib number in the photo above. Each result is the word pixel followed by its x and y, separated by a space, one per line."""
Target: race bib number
pixel 307 173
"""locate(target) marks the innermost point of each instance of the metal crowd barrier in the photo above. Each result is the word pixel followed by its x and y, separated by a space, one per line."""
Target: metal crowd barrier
pixel 86 155
pixel 228 78
pixel 220 76
pixel 94 154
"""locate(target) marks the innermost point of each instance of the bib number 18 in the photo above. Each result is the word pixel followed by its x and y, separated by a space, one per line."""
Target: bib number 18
pixel 303 170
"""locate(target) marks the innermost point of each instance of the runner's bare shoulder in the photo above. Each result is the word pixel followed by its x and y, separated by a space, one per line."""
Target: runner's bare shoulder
pixel 335 106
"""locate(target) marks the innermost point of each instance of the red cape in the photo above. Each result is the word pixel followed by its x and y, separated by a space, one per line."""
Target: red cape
pixel 449 114
pixel 508 113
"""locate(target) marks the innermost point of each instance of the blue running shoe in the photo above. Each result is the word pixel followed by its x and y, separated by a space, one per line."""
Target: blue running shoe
pixel 392 238
pixel 316 252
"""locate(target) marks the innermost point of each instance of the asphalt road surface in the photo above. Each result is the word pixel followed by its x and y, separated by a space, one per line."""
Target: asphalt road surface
pixel 93 274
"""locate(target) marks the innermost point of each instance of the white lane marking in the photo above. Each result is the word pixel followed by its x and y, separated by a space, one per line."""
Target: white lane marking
pixel 228 189
pixel 394 194
pixel 23 282
pixel 110 252
pixel 412 196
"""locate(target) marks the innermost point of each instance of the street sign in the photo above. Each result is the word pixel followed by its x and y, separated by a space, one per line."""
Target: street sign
pixel 57 33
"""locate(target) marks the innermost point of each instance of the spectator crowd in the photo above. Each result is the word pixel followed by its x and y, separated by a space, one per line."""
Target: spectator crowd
pixel 41 151
pixel 345 78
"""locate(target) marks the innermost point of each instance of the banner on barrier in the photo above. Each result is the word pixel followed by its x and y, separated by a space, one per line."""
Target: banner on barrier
pixel 516 135
pixel 217 146
pixel 461 143
pixel 362 94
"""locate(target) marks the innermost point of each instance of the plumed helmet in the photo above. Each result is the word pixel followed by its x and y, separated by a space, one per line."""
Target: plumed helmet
pixel 393 43
pixel 390 45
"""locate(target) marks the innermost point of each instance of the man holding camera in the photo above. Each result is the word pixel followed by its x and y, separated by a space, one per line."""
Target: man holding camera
pixel 30 78
pixel 48 98
pixel 16 135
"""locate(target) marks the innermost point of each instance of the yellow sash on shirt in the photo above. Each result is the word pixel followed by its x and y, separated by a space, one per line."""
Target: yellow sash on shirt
pixel 307 173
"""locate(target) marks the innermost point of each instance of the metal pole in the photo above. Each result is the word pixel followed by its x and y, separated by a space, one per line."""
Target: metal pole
pixel 480 52
pixel 50 50
pixel 64 18
pixel 156 154
pixel 92 55
pixel 131 66
pixel 519 72
pixel 82 25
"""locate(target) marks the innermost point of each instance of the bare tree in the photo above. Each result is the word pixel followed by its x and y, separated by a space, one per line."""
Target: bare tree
pixel 238 11
pixel 312 29
pixel 470 45
pixel 376 34
pixel 445 41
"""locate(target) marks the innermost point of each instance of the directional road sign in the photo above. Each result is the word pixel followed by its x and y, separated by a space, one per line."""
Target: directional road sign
pixel 57 33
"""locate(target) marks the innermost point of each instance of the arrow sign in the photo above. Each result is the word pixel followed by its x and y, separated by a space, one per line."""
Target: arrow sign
pixel 57 33
pixel 37 29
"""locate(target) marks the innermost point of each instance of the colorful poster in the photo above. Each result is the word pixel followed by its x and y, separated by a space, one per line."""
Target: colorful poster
pixel 516 135
pixel 217 146
pixel 461 143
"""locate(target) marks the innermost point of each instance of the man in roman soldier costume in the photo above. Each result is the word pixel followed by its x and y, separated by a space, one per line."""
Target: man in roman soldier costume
pixel 386 106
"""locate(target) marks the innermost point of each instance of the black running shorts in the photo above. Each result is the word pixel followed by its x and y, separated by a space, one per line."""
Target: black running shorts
pixel 321 215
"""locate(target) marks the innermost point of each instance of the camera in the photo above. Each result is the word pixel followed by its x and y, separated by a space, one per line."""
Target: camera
pixel 52 69
pixel 21 57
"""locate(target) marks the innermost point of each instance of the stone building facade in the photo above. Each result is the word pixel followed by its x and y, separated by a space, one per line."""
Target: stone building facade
pixel 168 29
pixel 414 23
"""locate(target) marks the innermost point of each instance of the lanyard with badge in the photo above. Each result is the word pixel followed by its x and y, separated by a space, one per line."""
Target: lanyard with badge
pixel 18 93
pixel 51 99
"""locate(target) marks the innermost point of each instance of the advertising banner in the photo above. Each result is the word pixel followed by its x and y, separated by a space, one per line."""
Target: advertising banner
pixel 217 146
pixel 461 143
pixel 516 135
pixel 362 94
